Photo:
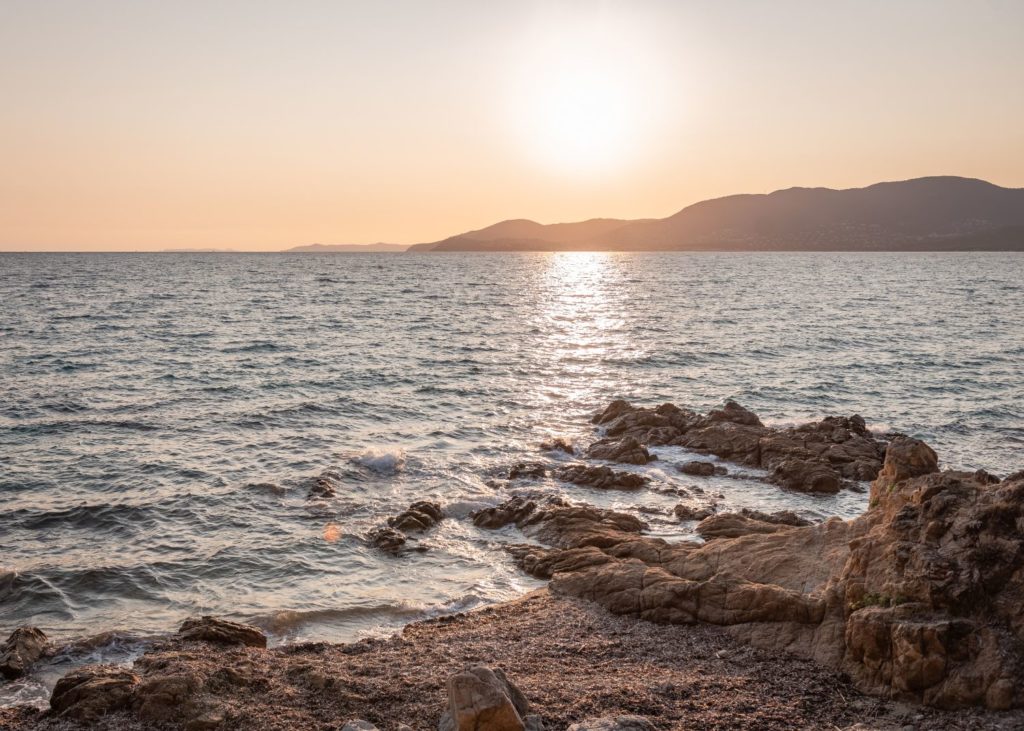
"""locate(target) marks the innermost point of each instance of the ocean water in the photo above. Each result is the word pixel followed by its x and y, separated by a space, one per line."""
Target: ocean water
pixel 162 416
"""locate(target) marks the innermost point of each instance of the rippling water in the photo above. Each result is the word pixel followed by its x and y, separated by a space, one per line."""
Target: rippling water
pixel 145 398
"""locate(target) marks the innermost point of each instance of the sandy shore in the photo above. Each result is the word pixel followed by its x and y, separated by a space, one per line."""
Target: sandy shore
pixel 572 659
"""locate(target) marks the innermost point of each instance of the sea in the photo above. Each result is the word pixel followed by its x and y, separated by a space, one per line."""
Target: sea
pixel 163 416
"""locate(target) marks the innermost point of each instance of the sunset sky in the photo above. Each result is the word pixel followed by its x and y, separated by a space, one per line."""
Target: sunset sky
pixel 261 125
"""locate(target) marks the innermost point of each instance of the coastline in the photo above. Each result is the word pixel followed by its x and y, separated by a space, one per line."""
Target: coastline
pixel 572 659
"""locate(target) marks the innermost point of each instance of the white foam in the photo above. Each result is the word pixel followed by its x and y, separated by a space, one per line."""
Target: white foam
pixel 386 460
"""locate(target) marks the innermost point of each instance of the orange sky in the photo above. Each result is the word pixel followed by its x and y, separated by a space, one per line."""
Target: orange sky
pixel 263 125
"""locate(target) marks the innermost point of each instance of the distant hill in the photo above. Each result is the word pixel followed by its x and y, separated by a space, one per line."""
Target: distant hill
pixel 328 248
pixel 925 214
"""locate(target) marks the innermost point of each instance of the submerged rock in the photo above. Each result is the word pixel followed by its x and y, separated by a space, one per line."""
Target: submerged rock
pixel 557 444
pixel 482 699
pixel 418 517
pixel 21 650
pixel 691 512
pixel 387 539
pixel 222 631
pixel 601 477
pixel 92 691
pixel 697 468
pixel 534 470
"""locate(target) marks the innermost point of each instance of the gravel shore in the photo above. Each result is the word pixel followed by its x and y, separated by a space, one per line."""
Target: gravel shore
pixel 572 659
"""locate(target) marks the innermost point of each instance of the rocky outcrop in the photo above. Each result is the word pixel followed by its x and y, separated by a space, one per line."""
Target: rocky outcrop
pixel 21 650
pixel 418 517
pixel 482 699
pixel 628 450
pixel 560 524
pixel 692 512
pixel 917 599
pixel 92 691
pixel 221 631
pixel 600 477
pixel 814 457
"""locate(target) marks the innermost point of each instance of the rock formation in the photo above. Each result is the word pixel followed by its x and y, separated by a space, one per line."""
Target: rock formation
pixel 920 598
pixel 815 457
pixel 20 651
pixel 421 516
pixel 92 691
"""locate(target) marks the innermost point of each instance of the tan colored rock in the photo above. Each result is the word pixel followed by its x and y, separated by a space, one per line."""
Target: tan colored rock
pixel 21 650
pixel 92 691
pixel 222 631
pixel 482 699
pixel 600 477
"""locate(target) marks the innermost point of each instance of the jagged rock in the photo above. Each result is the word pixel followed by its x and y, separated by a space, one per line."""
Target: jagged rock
pixel 806 476
pixel 419 516
pixel 92 691
pixel 601 477
pixel 697 468
pixel 322 487
pixel 562 525
pixel 21 650
pixel 614 723
pixel 387 539
pixel 841 444
pixel 917 599
pixel 482 699
pixel 221 631
pixel 627 450
pixel 557 444
pixel 690 512
pixel 535 470
pixel 514 511
pixel 783 517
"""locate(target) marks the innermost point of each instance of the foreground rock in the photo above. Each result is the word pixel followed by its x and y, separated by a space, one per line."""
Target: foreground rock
pixel 91 692
pixel 815 457
pixel 21 650
pixel 918 599
pixel 214 629
pixel 484 699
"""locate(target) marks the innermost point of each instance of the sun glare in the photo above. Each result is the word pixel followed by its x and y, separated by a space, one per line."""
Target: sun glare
pixel 585 97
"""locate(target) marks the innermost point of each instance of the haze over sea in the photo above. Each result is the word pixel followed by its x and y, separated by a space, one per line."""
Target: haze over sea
pixel 162 416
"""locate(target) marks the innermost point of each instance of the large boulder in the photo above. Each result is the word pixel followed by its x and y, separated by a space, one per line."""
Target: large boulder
pixel 21 650
pixel 221 631
pixel 483 699
pixel 92 691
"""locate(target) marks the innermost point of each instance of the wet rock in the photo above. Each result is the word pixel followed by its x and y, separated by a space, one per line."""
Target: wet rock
pixel 388 540
pixel 221 631
pixel 21 650
pixel 557 444
pixel 418 517
pixel 601 477
pixel 692 512
pixel 515 511
pixel 560 524
pixel 627 450
pixel 481 698
pixel 614 723
pixel 697 468
pixel 806 476
pixel 322 487
pixel 92 691
pixel 532 470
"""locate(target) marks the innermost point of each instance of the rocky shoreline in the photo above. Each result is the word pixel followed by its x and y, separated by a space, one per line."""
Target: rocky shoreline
pixel 918 601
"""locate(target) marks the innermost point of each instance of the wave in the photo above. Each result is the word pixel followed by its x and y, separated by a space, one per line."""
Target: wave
pixel 385 460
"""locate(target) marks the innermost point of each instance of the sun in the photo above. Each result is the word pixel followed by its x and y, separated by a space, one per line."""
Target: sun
pixel 584 97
